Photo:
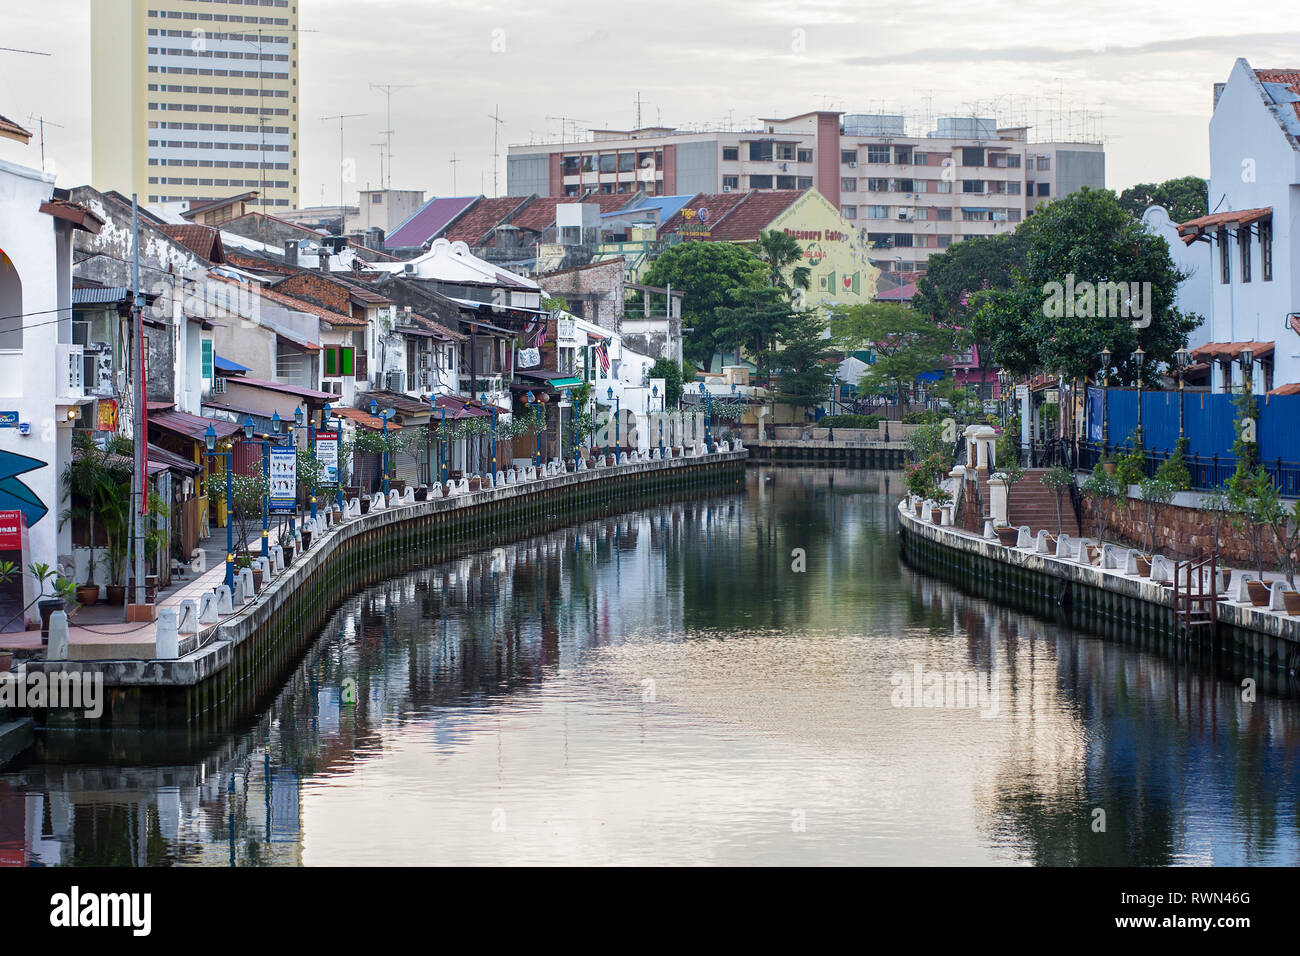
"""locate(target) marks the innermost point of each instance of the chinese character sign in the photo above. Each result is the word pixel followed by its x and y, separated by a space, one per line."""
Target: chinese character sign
pixel 327 454
pixel 284 479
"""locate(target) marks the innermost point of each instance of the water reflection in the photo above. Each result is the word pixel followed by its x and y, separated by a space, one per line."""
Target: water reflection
pixel 706 681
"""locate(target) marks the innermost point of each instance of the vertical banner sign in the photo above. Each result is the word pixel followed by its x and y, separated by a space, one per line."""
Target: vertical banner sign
pixel 284 479
pixel 13 548
pixel 327 453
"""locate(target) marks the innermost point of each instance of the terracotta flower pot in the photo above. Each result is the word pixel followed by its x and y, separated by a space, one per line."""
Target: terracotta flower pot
pixel 257 579
pixel 288 555
pixel 920 507
pixel 1008 535
pixel 936 516
pixel 306 540
pixel 87 594
pixel 116 594
pixel 1258 593
pixel 1108 467
pixel 1144 566
pixel 1291 599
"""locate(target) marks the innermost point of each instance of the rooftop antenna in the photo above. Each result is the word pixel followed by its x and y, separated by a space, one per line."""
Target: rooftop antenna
pixel 454 161
pixel 497 121
pixel 10 49
pixel 43 121
pixel 638 109
pixel 341 118
pixel 381 146
pixel 387 90
pixel 566 120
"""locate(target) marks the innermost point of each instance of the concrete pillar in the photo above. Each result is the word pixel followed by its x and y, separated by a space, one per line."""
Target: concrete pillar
pixel 57 649
pixel 998 491
pixel 168 643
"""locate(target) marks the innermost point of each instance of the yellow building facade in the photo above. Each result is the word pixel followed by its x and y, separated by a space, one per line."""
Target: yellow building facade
pixel 834 250
pixel 196 99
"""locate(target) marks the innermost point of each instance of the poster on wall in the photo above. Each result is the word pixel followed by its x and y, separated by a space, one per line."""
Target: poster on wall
pixel 14 549
pixel 284 480
pixel 327 453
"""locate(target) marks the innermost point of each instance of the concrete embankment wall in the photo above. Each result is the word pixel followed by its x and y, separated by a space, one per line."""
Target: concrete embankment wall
pixel 1091 600
pixel 223 682
pixel 890 455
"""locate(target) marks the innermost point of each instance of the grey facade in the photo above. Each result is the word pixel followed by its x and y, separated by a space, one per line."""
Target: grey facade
pixel 528 175
pixel 697 168
pixel 1078 168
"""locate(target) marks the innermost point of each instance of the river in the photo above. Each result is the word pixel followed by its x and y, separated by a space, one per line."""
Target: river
pixel 748 678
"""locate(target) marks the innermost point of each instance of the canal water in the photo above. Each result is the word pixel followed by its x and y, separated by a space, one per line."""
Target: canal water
pixel 747 678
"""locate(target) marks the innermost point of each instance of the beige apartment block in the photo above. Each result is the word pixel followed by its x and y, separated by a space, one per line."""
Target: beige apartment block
pixel 194 100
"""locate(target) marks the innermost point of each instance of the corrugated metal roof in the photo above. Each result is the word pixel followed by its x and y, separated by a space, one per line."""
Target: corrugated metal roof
pixel 99 296
pixel 428 221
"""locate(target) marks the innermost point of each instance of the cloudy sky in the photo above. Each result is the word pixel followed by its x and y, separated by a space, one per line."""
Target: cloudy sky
pixel 1138 73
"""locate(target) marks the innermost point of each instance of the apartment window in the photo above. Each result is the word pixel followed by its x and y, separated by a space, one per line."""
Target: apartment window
pixel 943 214
pixel 805 182
pixel 1266 250
pixel 783 151
pixel 944 241
pixel 730 182
pixel 760 152
pixel 1044 189
pixel 760 182
pixel 608 163
pixel 902 240
pixel 849 212
pixel 942 186
pixel 340 361
pixel 880 240
pixel 571 165
pixel 731 154
pixel 903 154
pixel 972 156
pixel 848 156
pixel 587 163
pixel 972 185
pixel 877 212
pixel 878 154
pixel 848 185
pixel 921 159
pixel 1225 263
pixel 785 182
pixel 645 160
pixel 805 156
pixel 626 162
pixel 607 188
pixel 1013 215
pixel 1012 188
pixel 1043 162
pixel 1243 241
pixel 876 185
pixel 903 185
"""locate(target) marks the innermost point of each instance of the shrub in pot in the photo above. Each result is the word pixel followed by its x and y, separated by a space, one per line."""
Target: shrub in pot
pixel 1258 593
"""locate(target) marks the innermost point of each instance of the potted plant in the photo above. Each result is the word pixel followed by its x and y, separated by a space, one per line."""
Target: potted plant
pixel 287 543
pixel 306 539
pixel 1007 534
pixel 1258 591
pixel 1108 464
pixel 1059 479
pixel 62 593
pixel 1291 600
pixel 939 497
pixel 81 481
pixel 113 508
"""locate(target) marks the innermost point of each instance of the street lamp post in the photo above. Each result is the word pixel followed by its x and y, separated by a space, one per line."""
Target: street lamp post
pixel 1182 358
pixel 1105 399
pixel 266 526
pixel 708 421
pixel 655 393
pixel 568 397
pixel 374 410
pixel 210 441
pixel 618 441
pixel 483 399
pixel 1139 356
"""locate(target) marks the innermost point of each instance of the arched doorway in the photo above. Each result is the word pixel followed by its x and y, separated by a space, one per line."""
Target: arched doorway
pixel 11 305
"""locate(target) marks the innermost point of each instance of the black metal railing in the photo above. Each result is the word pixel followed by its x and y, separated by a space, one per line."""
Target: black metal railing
pixel 1206 473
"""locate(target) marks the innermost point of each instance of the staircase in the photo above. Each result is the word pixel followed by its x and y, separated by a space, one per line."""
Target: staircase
pixel 1033 503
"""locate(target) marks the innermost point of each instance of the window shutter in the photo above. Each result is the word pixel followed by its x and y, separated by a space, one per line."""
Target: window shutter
pixel 207 358
pixel 347 361
pixel 331 361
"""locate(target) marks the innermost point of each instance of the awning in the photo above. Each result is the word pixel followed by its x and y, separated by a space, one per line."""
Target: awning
pixel 194 427
pixel 225 365
pixel 1231 350
pixel 364 419
pixel 297 342
pixel 570 382
pixel 309 395
pixel 421 333
pixel 1225 220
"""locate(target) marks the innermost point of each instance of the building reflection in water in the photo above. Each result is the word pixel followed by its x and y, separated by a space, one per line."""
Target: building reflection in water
pixel 674 657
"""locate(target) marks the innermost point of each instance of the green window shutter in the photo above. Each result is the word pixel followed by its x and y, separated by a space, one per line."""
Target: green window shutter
pixel 207 358
pixel 347 362
pixel 331 361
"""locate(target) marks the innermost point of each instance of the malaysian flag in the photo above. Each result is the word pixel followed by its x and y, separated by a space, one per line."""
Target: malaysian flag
pixel 602 355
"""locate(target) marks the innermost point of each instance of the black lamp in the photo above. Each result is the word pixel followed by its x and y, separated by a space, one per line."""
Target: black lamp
pixel 210 439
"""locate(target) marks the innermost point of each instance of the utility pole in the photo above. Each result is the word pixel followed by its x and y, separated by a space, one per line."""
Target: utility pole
pixel 381 162
pixel 387 90
pixel 496 147
pixel 42 120
pixel 139 480
pixel 638 109
pixel 454 161
pixel 341 119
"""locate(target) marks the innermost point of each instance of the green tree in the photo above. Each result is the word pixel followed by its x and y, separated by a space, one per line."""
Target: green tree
pixel 802 360
pixel 711 275
pixel 905 342
pixel 756 327
pixel 671 373
pixel 1086 242
pixel 781 252
pixel 1184 198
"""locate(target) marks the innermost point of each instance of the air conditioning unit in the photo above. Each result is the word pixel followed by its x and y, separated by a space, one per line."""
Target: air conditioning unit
pixel 726 189
pixel 853 165
pixel 409 268
pixel 395 382
pixel 904 216
pixel 218 386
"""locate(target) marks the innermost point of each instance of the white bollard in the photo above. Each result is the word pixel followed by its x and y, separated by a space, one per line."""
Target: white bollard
pixel 437 490
pixel 989 533
pixel 225 601
pixel 1040 543
pixel 353 509
pixel 1063 547
pixel 377 502
pixel 1024 539
pixel 57 649
pixel 394 499
pixel 189 620
pixel 208 613
pixel 408 496
pixel 167 645
pixel 1240 593
pixel 1275 602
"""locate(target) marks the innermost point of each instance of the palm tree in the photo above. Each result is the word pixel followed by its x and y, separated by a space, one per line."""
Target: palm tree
pixel 779 252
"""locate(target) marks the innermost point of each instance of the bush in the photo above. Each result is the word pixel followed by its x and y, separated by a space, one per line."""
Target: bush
pixel 849 421
pixel 928 417
pixel 1174 468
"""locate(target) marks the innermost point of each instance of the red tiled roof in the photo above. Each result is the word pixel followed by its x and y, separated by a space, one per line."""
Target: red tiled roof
pixel 80 217
pixel 754 214
pixel 538 215
pixel 364 419
pixel 718 205
pixel 203 241
pixel 476 222
pixel 11 130
pixel 191 426
pixel 1289 78
pixel 298 305
pixel 1238 217
pixel 310 394
pixel 1213 350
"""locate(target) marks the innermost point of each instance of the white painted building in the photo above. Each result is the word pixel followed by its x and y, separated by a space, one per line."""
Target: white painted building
pixel 1195 293
pixel 41 389
pixel 1254 207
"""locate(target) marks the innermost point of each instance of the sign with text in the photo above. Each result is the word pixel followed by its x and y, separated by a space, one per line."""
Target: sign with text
pixel 529 358
pixel 327 453
pixel 284 479
pixel 14 549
